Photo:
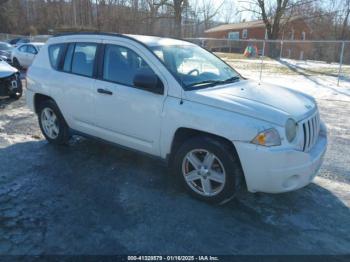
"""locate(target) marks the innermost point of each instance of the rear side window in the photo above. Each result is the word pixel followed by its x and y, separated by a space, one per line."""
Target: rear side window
pixel 31 49
pixel 23 48
pixel 55 52
pixel 121 64
pixel 83 59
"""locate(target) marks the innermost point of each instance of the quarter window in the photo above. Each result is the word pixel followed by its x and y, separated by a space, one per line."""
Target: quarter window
pixel 55 52
pixel 83 59
pixel 121 64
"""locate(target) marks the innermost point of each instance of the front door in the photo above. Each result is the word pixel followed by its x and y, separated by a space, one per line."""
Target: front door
pixel 125 114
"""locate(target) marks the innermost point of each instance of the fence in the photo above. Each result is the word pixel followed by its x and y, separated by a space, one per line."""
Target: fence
pixel 263 57
pixel 36 38
pixel 305 57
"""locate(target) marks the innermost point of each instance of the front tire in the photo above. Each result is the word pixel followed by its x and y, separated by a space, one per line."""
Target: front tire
pixel 52 124
pixel 209 169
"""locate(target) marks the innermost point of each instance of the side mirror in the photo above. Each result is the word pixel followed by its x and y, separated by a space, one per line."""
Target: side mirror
pixel 147 80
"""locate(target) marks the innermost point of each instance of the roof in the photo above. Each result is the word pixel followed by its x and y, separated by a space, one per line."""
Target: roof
pixel 246 25
pixel 36 43
pixel 237 26
pixel 146 40
pixel 158 41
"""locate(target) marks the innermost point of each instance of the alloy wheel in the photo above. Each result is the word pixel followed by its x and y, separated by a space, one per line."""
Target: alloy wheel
pixel 204 173
pixel 49 123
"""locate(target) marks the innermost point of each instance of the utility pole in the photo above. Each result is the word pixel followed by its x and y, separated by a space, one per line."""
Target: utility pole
pixel 74 13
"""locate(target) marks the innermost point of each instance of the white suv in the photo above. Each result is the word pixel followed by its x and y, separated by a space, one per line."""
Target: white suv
pixel 176 101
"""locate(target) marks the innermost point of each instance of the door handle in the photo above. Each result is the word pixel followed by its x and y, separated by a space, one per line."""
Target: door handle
pixel 104 91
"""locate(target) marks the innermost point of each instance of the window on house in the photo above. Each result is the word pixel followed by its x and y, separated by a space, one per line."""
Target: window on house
pixel 292 35
pixel 303 35
pixel 233 35
pixel 244 33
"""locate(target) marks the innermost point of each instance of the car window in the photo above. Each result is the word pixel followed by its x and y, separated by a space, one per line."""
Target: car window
pixel 31 50
pixel 55 52
pixel 5 46
pixel 68 58
pixel 23 40
pixel 121 64
pixel 83 59
pixel 23 48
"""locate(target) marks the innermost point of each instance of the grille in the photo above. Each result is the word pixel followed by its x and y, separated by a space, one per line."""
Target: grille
pixel 311 129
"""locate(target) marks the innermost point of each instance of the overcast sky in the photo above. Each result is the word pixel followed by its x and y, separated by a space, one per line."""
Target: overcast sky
pixel 226 7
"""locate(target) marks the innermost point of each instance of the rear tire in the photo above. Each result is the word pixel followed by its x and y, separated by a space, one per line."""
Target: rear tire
pixel 209 168
pixel 52 124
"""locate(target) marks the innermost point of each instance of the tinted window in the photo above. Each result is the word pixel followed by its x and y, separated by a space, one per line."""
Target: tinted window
pixel 68 59
pixel 23 48
pixel 83 59
pixel 55 52
pixel 31 49
pixel 121 64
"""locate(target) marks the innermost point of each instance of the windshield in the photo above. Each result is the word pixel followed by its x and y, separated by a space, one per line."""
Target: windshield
pixel 5 46
pixel 194 66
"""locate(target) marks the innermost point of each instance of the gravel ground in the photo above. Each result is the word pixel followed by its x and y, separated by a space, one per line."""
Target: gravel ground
pixel 93 198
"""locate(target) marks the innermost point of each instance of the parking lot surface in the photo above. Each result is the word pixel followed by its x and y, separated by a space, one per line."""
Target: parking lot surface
pixel 93 198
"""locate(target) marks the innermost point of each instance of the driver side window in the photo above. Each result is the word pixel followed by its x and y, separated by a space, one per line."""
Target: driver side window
pixel 121 64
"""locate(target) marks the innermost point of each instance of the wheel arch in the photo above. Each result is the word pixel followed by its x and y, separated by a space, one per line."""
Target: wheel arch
pixel 183 133
pixel 40 98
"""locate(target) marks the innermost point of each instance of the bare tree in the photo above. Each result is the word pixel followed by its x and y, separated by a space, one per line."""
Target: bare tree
pixel 209 11
pixel 345 23
pixel 227 12
pixel 153 7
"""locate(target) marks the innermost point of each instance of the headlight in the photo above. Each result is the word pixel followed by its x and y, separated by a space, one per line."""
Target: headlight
pixel 268 137
pixel 291 130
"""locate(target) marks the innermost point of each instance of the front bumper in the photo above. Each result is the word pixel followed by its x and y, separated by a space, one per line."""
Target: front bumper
pixel 10 85
pixel 277 170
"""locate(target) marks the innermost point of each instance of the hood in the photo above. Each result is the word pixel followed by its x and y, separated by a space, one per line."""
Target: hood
pixel 270 103
pixel 5 53
pixel 6 70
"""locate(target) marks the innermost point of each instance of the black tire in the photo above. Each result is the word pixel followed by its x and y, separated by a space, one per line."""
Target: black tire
pixel 227 156
pixel 63 129
pixel 16 63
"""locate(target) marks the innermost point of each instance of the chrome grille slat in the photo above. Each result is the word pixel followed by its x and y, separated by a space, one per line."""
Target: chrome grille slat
pixel 311 129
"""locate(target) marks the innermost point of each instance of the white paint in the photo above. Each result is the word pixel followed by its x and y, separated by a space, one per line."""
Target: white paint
pixel 148 122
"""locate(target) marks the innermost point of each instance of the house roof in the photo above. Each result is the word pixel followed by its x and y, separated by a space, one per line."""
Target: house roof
pixel 237 26
pixel 246 25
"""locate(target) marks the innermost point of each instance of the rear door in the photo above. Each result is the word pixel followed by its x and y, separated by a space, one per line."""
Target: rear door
pixel 30 55
pixel 22 55
pixel 77 78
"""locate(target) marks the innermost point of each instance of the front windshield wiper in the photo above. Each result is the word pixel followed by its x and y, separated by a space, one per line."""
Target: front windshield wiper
pixel 214 82
pixel 231 79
